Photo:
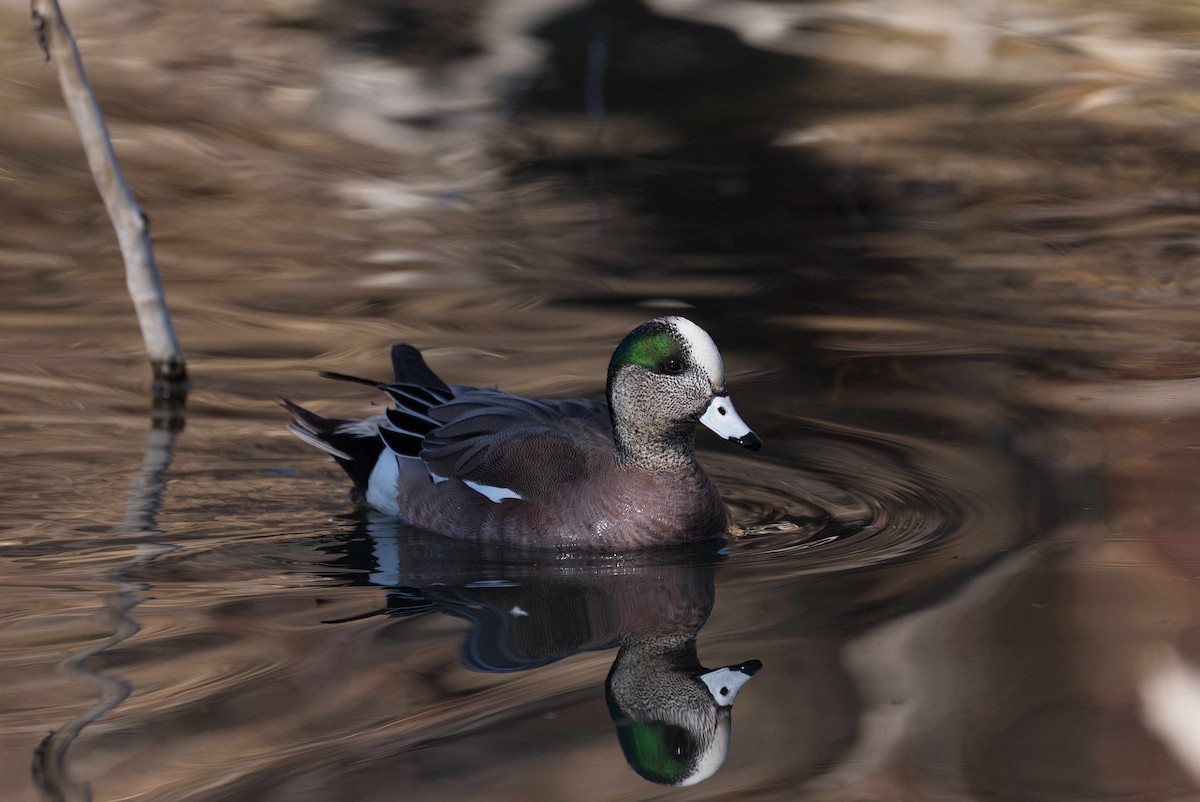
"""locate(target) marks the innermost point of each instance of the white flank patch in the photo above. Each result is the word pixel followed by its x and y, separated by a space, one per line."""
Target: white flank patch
pixel 704 350
pixel 516 610
pixel 383 485
pixel 496 494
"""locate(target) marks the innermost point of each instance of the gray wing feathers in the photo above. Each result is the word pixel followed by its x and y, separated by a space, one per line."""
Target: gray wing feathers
pixel 475 423
pixel 526 445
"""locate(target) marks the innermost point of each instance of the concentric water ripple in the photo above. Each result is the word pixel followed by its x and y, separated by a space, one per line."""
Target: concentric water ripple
pixel 862 499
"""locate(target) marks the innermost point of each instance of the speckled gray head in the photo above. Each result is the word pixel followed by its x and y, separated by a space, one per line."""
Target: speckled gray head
pixel 665 376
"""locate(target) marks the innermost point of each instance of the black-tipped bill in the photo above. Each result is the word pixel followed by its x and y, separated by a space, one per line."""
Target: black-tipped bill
pixel 723 419
pixel 750 667
pixel 750 441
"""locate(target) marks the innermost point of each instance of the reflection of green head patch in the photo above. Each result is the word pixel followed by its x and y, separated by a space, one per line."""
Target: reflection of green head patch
pixel 658 751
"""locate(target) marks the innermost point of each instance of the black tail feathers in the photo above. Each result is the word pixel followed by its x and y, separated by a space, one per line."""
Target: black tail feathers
pixel 355 445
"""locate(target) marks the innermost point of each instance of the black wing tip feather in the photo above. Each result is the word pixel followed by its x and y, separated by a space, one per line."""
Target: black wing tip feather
pixel 410 368
pixel 401 443
pixel 412 375
pixel 342 377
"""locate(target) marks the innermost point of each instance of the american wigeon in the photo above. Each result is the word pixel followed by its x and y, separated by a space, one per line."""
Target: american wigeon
pixel 485 465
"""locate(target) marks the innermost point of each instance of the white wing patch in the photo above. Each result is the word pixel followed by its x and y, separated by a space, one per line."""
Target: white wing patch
pixel 382 486
pixel 704 350
pixel 496 494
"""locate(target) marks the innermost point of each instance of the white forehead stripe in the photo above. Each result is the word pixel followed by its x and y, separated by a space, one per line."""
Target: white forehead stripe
pixel 704 350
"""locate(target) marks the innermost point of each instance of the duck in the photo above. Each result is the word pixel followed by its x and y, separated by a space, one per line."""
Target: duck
pixel 482 464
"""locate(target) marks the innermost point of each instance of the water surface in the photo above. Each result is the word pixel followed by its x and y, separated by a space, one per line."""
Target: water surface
pixel 949 255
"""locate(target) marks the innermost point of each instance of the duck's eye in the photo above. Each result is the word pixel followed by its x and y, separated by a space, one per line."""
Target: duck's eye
pixel 672 365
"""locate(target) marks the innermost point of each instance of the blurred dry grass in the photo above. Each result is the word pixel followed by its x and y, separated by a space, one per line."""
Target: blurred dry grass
pixel 1038 154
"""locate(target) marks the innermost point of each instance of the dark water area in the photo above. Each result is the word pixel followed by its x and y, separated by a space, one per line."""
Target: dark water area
pixel 949 253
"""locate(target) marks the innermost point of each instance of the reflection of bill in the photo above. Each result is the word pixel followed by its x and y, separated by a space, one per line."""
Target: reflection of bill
pixel 672 715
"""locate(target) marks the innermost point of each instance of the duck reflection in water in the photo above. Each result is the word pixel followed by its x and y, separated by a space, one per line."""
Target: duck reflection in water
pixel 672 715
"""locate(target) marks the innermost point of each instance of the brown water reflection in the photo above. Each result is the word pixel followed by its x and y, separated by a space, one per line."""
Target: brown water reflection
pixel 948 251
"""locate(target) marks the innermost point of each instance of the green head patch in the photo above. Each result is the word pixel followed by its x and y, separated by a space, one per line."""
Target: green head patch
pixel 649 345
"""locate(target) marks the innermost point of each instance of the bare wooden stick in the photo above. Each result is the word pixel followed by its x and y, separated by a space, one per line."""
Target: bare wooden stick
pixel 131 224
